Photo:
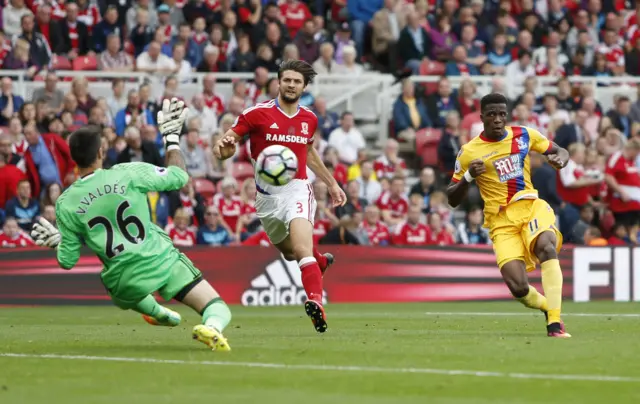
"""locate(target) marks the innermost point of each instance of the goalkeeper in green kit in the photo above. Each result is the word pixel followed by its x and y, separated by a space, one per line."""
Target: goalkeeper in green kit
pixel 108 211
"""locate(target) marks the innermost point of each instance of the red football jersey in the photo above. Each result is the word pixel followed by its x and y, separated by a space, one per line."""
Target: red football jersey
pixel 182 238
pixel 320 229
pixel 385 168
pixel 215 102
pixel 571 173
pixel 229 209
pixel 626 175
pixel 443 237
pixel 267 124
pixel 398 207
pixel 89 16
pixel 295 16
pixel 21 240
pixel 408 234
pixel 378 233
pixel 614 54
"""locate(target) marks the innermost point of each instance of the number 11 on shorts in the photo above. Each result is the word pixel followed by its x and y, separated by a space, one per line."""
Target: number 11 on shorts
pixel 533 226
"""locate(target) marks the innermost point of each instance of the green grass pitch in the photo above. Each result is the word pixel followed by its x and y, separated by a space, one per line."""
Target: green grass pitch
pixel 393 353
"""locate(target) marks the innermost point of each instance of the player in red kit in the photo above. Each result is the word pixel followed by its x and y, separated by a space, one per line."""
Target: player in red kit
pixel 287 212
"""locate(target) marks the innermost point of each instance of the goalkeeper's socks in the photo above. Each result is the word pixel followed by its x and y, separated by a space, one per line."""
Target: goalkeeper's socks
pixel 216 314
pixel 320 258
pixel 150 307
pixel 534 300
pixel 311 278
pixel 552 284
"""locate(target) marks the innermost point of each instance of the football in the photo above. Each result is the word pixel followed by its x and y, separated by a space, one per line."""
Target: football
pixel 277 165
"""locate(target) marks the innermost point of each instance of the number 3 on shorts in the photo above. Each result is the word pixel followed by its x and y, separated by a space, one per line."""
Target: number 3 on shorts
pixel 299 207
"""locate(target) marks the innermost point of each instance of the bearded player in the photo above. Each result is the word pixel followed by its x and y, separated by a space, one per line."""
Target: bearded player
pixel 107 209
pixel 287 212
pixel 522 226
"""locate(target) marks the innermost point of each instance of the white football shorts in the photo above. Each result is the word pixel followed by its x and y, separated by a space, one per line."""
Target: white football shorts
pixel 276 211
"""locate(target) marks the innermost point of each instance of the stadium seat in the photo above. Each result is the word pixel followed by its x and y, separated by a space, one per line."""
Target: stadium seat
pixel 431 68
pixel 426 137
pixel 427 146
pixel 60 63
pixel 204 187
pixel 241 171
pixel 85 63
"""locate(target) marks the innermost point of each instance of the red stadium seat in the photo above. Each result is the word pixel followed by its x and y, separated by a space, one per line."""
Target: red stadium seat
pixel 204 187
pixel 429 155
pixel 427 146
pixel 85 63
pixel 60 63
pixel 431 68
pixel 427 136
pixel 241 171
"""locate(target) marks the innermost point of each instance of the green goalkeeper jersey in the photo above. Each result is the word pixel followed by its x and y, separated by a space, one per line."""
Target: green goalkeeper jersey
pixel 108 211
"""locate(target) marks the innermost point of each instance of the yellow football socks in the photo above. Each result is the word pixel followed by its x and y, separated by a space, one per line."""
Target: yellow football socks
pixel 534 299
pixel 552 285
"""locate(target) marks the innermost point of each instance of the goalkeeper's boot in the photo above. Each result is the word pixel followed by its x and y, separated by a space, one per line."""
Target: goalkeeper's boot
pixel 170 318
pixel 211 338
pixel 315 311
pixel 330 259
pixel 556 330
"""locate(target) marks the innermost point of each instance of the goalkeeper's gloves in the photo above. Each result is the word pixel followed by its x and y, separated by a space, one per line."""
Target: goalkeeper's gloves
pixel 45 234
pixel 170 122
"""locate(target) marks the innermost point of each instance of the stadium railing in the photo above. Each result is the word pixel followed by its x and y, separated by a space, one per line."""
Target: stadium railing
pixel 342 92
pixel 369 96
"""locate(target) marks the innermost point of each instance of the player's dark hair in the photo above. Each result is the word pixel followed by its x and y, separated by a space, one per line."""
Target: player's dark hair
pixel 84 145
pixel 298 66
pixel 493 98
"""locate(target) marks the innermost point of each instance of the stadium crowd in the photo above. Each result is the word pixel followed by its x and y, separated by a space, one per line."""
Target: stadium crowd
pixel 597 197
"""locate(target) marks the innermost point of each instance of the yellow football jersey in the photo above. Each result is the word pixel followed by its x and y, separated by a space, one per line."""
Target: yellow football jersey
pixel 508 175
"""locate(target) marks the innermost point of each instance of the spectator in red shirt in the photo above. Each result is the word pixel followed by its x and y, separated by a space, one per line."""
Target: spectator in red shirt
pixel 12 237
pixel 411 231
pixel 48 28
pixel 248 222
pixel 437 233
pixel 10 175
pixel 294 13
pixel 389 164
pixel 377 231
pixel 574 185
pixel 75 35
pixel 620 236
pixel 179 232
pixel 393 204
pixel 44 149
pixel 321 223
pixel 229 205
pixel 624 187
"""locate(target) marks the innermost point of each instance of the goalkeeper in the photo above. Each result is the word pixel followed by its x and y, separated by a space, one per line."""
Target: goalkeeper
pixel 107 209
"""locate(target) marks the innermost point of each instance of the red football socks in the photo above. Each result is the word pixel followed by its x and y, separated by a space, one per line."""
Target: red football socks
pixel 311 278
pixel 322 260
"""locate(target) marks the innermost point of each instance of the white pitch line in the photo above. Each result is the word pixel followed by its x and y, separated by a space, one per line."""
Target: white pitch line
pixel 334 368
pixel 499 314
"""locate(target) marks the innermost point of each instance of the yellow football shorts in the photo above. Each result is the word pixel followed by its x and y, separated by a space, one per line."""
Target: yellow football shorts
pixel 515 229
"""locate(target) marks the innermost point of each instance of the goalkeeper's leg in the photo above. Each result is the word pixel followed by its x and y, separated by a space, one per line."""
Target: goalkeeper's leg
pixel 204 299
pixel 155 314
pixel 186 285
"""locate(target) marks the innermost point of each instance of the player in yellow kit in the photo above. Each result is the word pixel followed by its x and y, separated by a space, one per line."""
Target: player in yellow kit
pixel 522 226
